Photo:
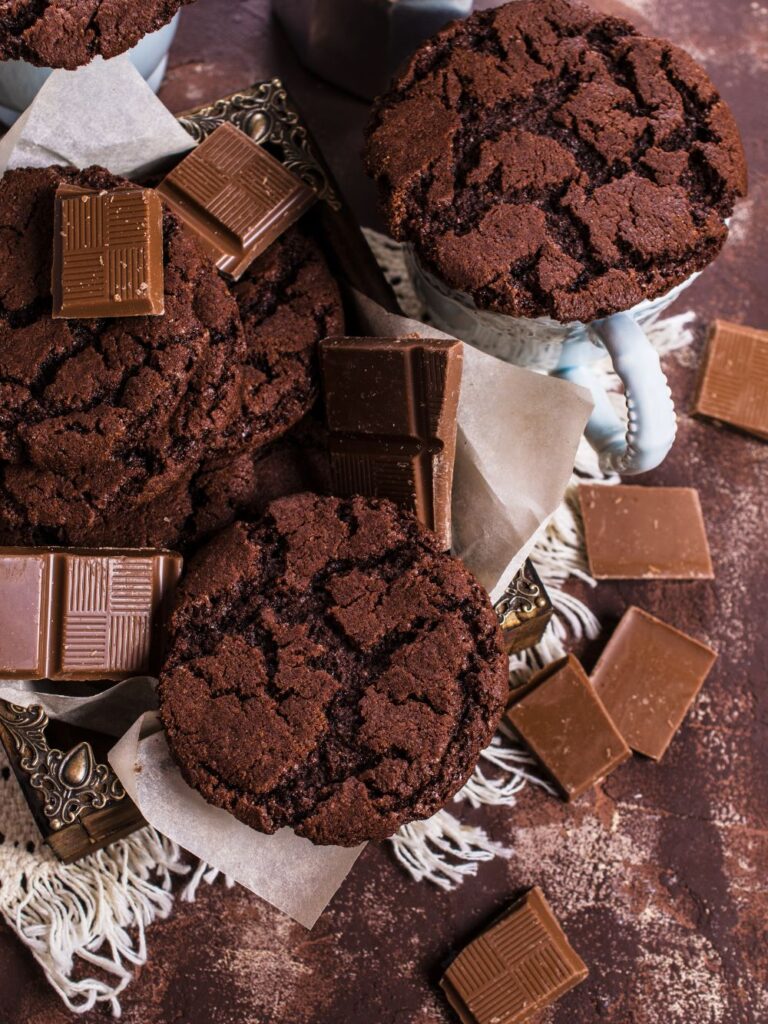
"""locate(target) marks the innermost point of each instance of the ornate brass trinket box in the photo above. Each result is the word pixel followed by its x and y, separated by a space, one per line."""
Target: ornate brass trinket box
pixel 524 611
pixel 76 799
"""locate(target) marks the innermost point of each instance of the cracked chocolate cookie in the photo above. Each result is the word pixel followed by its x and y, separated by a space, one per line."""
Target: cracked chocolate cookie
pixel 223 490
pixel 70 33
pixel 99 417
pixel 331 670
pixel 288 302
pixel 564 165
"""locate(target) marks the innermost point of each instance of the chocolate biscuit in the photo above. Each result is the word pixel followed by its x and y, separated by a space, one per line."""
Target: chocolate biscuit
pixel 564 165
pixel 70 33
pixel 99 417
pixel 330 670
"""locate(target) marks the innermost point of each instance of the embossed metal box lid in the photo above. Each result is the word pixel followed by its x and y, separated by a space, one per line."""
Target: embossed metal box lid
pixel 524 611
pixel 77 801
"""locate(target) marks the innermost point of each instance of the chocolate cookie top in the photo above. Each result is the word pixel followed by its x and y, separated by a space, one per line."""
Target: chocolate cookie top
pixel 224 489
pixel 288 301
pixel 98 417
pixel 70 33
pixel 563 164
pixel 330 670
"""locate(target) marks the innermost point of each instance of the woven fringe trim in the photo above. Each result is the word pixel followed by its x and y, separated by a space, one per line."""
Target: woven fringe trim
pixel 96 911
pixel 441 850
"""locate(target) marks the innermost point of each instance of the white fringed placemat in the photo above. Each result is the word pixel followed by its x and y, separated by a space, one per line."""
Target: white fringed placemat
pixel 97 912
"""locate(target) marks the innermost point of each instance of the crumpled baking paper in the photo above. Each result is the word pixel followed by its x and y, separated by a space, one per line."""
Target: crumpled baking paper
pixel 285 870
pixel 104 113
pixel 517 439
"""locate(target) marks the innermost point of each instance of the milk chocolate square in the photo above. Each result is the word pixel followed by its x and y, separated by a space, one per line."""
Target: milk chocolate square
pixel 565 724
pixel 83 615
pixel 107 253
pixel 236 197
pixel 23 610
pixel 391 407
pixel 516 968
pixel 648 677
pixel 644 533
pixel 734 382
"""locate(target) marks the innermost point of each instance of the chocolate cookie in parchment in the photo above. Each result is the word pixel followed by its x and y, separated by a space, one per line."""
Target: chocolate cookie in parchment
pixel 330 670
pixel 564 165
pixel 70 33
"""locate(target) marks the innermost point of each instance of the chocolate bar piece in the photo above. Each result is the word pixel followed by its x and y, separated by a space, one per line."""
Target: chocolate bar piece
pixel 83 615
pixel 76 799
pixel 648 677
pixel 520 965
pixel 642 533
pixel 391 405
pixel 107 253
pixel 734 381
pixel 565 724
pixel 524 610
pixel 236 197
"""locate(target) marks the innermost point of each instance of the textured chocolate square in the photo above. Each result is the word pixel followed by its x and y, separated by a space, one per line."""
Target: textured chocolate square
pixel 734 382
pixel 520 965
pixel 107 612
pixel 236 197
pixel 392 406
pixel 107 253
pixel 639 533
pixel 562 720
pixel 82 615
pixel 647 677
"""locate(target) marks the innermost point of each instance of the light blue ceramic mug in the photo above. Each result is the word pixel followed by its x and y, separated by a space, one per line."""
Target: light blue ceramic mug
pixel 567 351
pixel 20 82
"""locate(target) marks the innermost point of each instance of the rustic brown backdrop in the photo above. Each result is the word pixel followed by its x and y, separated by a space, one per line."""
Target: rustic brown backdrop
pixel 660 876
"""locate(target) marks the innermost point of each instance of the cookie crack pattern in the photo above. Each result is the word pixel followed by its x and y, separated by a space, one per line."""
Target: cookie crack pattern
pixel 70 33
pixel 547 127
pixel 365 666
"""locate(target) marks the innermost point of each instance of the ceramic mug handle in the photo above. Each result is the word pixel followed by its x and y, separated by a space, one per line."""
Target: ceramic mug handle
pixel 644 443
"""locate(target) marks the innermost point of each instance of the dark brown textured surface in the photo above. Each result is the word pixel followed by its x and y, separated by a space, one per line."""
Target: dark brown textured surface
pixel 70 33
pixel 563 164
pixel 659 877
pixel 359 667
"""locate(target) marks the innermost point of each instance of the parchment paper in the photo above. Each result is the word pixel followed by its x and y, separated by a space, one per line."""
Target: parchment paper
pixel 285 870
pixel 104 114
pixel 518 433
